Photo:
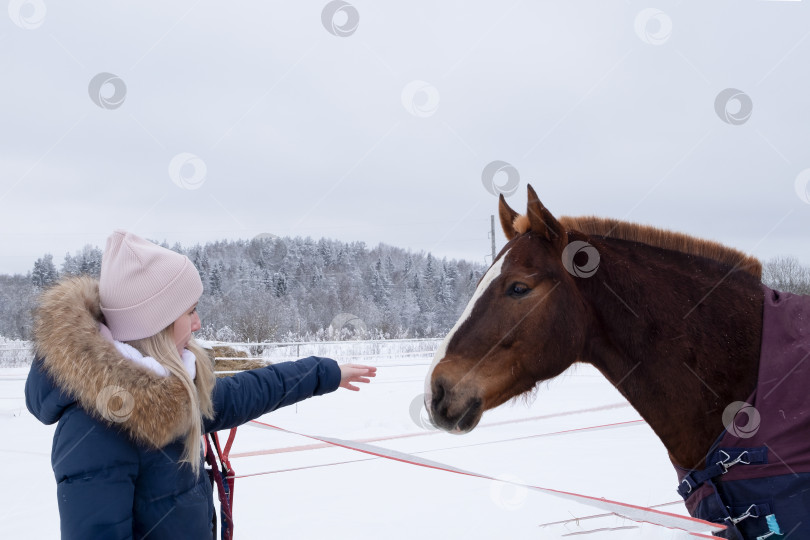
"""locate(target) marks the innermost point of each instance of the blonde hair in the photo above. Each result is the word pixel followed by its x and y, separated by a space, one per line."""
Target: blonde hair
pixel 162 348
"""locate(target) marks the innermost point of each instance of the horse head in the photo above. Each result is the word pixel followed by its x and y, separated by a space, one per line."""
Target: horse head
pixel 525 323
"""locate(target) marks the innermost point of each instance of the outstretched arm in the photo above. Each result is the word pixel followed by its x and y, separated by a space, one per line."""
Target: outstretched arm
pixel 252 393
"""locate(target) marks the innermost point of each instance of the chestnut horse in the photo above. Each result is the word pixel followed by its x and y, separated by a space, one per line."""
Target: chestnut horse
pixel 673 322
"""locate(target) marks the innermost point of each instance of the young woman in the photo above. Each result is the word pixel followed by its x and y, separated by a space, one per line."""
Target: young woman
pixel 118 368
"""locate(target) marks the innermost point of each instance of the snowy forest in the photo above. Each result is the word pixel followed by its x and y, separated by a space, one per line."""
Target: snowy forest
pixel 296 289
pixel 288 289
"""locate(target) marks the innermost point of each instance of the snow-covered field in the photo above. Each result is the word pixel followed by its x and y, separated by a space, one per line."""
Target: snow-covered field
pixel 333 492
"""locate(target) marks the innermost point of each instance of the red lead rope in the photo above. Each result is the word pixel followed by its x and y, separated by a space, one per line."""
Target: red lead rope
pixel 223 477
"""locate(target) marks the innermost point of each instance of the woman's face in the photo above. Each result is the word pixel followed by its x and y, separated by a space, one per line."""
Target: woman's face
pixel 187 323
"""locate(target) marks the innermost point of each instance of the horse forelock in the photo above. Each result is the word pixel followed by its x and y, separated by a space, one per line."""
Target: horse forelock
pixel 521 224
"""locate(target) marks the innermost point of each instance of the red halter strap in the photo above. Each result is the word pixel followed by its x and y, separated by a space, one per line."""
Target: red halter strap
pixel 224 477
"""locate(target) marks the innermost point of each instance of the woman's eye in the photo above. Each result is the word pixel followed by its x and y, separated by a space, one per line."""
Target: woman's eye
pixel 518 289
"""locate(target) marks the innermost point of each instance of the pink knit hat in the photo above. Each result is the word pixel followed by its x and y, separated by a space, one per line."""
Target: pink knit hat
pixel 144 287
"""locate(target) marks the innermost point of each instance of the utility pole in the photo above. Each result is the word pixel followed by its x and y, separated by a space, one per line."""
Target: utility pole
pixel 492 234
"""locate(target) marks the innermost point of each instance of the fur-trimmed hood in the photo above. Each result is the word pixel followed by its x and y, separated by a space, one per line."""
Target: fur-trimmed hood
pixel 89 370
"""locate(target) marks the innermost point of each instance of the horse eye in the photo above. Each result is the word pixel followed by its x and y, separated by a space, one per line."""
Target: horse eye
pixel 518 289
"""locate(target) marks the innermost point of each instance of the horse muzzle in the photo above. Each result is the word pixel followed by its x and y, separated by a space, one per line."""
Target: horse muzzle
pixel 452 409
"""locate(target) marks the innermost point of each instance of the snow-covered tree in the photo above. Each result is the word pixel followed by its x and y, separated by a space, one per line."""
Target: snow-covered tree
pixel 44 273
pixel 293 288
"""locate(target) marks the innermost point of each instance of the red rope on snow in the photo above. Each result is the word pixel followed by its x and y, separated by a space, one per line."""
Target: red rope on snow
pixel 634 512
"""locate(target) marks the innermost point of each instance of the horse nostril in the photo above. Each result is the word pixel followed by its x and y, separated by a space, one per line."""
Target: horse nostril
pixel 470 416
pixel 438 393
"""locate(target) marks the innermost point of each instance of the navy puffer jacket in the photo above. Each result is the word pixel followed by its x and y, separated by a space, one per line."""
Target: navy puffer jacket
pixel 122 479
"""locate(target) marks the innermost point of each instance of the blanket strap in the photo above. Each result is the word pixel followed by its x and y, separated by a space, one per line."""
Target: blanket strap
pixel 713 507
pixel 726 458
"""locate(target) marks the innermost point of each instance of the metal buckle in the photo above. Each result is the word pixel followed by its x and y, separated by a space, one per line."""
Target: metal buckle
pixel 746 515
pixel 729 464
pixel 688 485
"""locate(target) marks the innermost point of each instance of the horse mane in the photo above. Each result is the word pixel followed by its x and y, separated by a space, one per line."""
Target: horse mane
pixel 654 236
pixel 661 238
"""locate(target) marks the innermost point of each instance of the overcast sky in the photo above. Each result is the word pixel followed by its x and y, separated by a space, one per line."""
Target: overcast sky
pixel 376 121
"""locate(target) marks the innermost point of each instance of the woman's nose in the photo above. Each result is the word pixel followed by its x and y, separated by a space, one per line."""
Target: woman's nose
pixel 195 324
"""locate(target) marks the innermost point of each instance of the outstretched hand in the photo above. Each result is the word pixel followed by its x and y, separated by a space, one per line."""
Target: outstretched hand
pixel 354 373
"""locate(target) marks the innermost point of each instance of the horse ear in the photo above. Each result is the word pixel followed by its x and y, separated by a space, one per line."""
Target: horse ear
pixel 507 216
pixel 543 222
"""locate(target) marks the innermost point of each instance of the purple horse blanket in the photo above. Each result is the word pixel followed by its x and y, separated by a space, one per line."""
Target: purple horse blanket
pixel 757 475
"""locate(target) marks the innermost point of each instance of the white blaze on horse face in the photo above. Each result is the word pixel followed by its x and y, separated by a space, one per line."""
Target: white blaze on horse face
pixel 493 272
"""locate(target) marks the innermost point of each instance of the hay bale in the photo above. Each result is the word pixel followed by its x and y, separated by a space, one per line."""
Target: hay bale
pixel 223 351
pixel 236 365
pixel 229 359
